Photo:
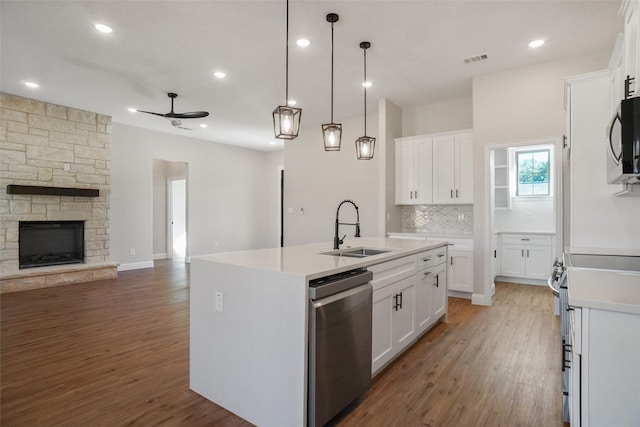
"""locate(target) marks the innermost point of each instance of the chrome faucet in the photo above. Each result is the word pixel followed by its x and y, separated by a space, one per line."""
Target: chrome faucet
pixel 337 241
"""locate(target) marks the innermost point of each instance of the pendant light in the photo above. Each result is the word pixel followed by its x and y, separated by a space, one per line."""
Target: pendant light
pixel 365 145
pixel 286 119
pixel 332 132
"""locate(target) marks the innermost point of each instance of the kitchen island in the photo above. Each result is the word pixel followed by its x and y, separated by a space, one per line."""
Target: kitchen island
pixel 249 323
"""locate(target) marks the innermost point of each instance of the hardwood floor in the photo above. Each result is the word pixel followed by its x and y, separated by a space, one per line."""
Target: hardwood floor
pixel 115 352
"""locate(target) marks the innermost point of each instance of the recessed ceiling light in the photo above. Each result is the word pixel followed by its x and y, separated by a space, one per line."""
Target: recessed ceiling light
pixel 536 43
pixel 32 85
pixel 132 110
pixel 367 84
pixel 103 28
pixel 303 42
pixel 220 74
pixel 292 102
pixel 203 125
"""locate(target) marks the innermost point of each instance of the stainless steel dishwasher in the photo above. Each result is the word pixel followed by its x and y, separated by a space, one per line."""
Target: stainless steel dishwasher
pixel 339 342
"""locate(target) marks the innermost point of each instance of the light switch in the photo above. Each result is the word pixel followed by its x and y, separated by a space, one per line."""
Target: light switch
pixel 289 210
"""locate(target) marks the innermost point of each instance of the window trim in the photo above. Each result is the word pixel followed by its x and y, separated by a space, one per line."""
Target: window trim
pixel 531 150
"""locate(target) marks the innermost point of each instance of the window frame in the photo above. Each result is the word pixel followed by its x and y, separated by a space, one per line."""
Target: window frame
pixel 549 182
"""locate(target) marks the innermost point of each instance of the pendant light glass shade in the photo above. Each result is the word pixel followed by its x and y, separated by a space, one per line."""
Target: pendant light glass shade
pixel 332 136
pixel 365 145
pixel 286 119
pixel 332 132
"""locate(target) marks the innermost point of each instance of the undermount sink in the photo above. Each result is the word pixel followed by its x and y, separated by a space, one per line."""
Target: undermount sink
pixel 357 252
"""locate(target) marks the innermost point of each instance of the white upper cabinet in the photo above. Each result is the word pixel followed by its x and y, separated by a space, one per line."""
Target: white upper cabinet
pixel 413 171
pixel 453 168
pixel 434 169
pixel 630 10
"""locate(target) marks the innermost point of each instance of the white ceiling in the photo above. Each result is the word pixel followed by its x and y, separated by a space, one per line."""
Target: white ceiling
pixel 157 47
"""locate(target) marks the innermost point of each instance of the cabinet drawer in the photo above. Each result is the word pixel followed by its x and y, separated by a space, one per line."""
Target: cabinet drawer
pixel 439 255
pixel 526 239
pixel 391 271
pixel 425 259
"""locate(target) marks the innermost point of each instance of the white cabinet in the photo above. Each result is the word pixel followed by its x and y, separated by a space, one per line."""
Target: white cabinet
pixel 630 10
pixel 453 168
pixel 605 383
pixel 460 274
pixel 393 315
pixel 414 179
pixel 525 255
pixel 435 163
pixel 439 296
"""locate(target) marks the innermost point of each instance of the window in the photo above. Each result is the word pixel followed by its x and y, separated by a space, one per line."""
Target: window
pixel 532 173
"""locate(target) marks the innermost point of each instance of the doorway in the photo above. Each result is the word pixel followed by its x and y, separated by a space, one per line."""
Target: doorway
pixel 516 204
pixel 177 210
pixel 170 210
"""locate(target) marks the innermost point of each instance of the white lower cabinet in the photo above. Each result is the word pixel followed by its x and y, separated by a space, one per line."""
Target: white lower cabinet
pixel 409 296
pixel 460 274
pixel 526 256
pixel 393 317
pixel 605 371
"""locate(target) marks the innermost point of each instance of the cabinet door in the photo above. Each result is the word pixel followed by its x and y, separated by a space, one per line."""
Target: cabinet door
pixel 439 295
pixel 423 171
pixel 423 299
pixel 404 315
pixel 404 172
pixel 512 261
pixel 382 332
pixel 463 168
pixel 538 259
pixel 460 274
pixel 443 169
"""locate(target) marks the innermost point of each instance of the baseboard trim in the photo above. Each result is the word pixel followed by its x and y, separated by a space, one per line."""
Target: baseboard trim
pixel 478 299
pixel 521 280
pixel 159 256
pixel 459 294
pixel 135 265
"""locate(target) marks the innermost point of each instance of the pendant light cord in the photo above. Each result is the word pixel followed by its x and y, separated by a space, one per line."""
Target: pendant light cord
pixel 365 92
pixel 286 73
pixel 332 72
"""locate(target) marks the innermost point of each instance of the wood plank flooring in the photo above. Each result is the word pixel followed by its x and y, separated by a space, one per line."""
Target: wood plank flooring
pixel 116 353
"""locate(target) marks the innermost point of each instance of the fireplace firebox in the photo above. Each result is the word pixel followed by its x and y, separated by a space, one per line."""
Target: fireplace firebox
pixel 43 243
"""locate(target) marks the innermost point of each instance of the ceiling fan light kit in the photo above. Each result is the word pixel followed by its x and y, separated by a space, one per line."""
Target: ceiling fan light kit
pixel 286 119
pixel 365 145
pixel 332 132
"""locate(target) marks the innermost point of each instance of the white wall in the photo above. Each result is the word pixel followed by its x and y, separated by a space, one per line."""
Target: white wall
pixel 228 189
pixel 532 215
pixel 317 181
pixel 522 104
pixel 438 117
pixel 389 128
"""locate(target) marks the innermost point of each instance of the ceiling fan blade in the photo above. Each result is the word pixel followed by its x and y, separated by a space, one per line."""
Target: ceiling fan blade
pixel 189 115
pixel 151 112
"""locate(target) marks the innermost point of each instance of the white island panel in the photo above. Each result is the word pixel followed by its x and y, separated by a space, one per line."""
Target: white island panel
pixel 250 358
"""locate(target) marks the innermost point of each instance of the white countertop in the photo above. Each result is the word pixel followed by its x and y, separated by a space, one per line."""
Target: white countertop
pixel 541 233
pixel 604 289
pixel 432 235
pixel 308 260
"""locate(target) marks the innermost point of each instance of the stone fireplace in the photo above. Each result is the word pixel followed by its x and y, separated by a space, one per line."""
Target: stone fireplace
pixel 54 167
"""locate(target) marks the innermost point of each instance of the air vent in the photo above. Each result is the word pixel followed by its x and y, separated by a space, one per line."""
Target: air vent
pixel 476 58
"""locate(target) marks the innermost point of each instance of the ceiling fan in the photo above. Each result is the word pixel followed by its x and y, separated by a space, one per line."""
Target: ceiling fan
pixel 176 118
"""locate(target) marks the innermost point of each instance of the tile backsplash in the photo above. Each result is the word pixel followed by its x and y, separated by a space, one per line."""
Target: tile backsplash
pixel 438 219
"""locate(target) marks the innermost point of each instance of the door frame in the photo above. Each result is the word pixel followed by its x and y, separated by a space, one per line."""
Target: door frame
pixel 557 142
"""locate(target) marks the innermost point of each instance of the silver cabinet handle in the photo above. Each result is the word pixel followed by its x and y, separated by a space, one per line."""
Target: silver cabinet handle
pixel 440 255
pixel 427 259
pixel 456 193
pixel 522 252
pixel 527 253
pixel 451 260
pixel 452 194
pixel 427 273
pixel 525 240
pixel 416 193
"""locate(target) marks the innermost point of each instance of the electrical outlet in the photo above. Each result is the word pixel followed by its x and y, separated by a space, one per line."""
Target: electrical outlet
pixel 132 251
pixel 219 302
